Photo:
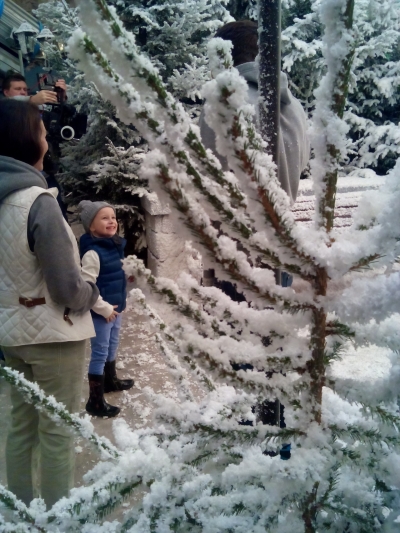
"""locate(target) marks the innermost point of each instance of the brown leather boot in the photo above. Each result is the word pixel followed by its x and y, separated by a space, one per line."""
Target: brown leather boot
pixel 111 382
pixel 96 405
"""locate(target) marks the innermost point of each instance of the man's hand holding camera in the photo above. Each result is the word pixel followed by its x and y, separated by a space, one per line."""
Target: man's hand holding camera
pixel 15 85
pixel 49 97
pixel 44 97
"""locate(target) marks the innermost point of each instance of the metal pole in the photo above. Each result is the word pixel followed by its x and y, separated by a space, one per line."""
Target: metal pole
pixel 269 42
pixel 269 46
pixel 21 62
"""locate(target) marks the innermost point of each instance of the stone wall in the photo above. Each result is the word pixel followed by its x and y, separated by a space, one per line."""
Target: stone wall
pixel 167 253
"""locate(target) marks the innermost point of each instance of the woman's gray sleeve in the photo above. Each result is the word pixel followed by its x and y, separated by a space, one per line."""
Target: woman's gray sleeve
pixel 49 240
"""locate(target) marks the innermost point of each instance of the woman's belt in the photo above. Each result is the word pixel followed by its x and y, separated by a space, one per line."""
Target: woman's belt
pixel 31 302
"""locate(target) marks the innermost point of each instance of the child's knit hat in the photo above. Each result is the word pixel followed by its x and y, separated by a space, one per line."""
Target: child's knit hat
pixel 88 210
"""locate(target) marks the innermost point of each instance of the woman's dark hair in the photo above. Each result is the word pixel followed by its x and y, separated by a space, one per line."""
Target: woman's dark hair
pixel 20 130
pixel 244 37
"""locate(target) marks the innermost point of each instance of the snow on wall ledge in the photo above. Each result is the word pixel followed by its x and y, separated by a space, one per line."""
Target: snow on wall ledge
pixel 167 253
pixel 349 192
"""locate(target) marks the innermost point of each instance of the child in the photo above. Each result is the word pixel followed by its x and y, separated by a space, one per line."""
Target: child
pixel 102 251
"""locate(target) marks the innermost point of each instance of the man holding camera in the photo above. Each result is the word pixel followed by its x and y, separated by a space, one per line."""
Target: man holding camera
pixel 14 86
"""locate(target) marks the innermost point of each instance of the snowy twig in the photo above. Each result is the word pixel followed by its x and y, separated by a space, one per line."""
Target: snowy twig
pixel 331 100
pixel 163 338
pixel 57 411
pixel 143 72
pixel 11 501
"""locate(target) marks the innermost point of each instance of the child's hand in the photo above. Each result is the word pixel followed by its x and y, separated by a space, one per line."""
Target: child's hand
pixel 131 279
pixel 113 315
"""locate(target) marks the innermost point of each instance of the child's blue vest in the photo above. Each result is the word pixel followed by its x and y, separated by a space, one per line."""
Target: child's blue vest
pixel 111 280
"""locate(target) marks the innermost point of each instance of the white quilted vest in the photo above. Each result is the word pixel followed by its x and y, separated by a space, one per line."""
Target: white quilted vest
pixel 21 275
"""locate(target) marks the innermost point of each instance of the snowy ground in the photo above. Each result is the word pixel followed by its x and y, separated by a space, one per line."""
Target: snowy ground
pixel 367 365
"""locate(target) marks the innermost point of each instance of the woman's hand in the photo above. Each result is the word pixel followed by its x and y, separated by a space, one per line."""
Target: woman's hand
pixel 113 315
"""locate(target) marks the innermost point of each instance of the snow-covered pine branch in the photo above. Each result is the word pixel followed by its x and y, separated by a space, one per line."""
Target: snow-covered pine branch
pixel 145 77
pixel 211 360
pixel 164 31
pixel 164 339
pixel 329 130
pixel 57 411
pixel 178 131
pixel 372 109
pixel 19 508
pixel 249 336
pixel 165 158
pixel 80 159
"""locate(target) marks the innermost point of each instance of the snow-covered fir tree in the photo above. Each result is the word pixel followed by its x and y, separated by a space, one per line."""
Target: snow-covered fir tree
pixel 372 113
pixel 175 34
pixel 103 164
pixel 164 31
pixel 198 468
pixel 243 9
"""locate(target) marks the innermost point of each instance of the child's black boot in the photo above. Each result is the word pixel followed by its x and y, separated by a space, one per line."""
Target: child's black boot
pixel 111 382
pixel 96 405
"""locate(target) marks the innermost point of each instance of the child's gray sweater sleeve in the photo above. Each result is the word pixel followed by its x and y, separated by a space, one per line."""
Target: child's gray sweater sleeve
pixel 49 240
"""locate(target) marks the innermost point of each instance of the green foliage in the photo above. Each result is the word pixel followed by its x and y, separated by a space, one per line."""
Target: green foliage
pixel 243 9
pixel 97 170
pixel 174 35
pixel 103 164
pixel 373 109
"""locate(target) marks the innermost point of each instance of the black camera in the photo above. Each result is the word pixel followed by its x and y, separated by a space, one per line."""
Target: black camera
pixel 47 82
pixel 62 122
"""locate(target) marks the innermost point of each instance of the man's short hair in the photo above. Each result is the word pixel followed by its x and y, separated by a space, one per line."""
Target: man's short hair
pixel 10 77
pixel 244 37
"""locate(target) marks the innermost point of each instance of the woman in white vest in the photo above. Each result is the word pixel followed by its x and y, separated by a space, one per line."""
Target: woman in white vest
pixel 44 306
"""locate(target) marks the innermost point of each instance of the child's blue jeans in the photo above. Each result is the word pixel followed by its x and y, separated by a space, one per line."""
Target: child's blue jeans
pixel 105 344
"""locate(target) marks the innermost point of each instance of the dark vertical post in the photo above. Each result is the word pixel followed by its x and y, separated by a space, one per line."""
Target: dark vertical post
pixel 269 42
pixel 269 45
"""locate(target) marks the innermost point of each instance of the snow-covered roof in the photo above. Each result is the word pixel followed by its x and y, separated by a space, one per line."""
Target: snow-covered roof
pixel 349 191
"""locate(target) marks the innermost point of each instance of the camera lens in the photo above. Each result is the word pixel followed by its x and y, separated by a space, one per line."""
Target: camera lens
pixel 67 133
